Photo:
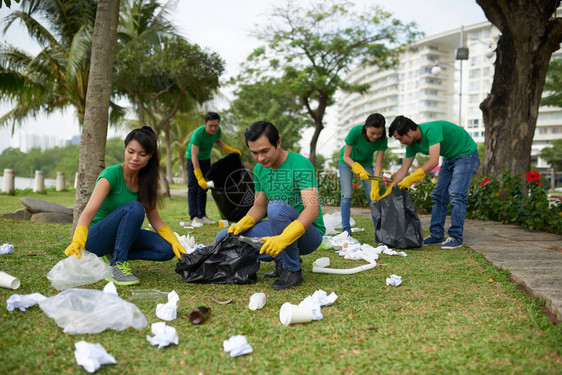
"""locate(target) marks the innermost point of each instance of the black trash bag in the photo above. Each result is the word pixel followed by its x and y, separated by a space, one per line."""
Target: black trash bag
pixel 228 261
pixel 234 187
pixel 398 225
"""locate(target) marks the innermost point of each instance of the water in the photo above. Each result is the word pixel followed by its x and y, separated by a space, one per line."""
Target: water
pixel 27 183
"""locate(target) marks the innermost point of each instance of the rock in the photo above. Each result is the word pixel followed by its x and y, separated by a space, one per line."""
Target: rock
pixel 37 205
pixel 20 215
pixel 51 217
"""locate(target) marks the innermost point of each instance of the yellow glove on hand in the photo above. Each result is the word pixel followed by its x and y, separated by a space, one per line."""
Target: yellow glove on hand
pixel 242 225
pixel 409 180
pixel 200 180
pixel 230 150
pixel 360 171
pixel 276 244
pixel 166 233
pixel 388 190
pixel 78 241
pixel 375 191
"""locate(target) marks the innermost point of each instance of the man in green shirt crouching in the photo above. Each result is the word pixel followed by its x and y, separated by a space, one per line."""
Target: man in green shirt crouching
pixel 460 163
pixel 285 189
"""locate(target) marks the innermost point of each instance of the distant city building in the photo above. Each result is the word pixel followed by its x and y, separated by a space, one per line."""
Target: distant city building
pixel 26 141
pixel 435 81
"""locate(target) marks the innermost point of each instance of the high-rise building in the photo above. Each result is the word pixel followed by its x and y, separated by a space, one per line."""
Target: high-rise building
pixel 26 141
pixel 440 77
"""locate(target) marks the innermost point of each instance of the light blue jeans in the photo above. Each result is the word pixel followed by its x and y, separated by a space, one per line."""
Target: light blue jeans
pixel 346 180
pixel 120 235
pixel 280 215
pixel 452 186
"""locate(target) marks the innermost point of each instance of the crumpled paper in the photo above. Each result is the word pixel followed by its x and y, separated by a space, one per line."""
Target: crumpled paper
pixel 164 335
pixel 388 251
pixel 317 300
pixel 110 288
pixel 169 310
pixel 6 248
pixel 394 280
pixel 92 356
pixel 23 301
pixel 237 345
pixel 188 243
pixel 342 241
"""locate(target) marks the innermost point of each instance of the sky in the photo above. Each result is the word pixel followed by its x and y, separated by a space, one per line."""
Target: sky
pixel 226 26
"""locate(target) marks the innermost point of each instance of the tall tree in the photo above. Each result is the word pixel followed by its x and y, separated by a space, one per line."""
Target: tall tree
pixel 57 77
pixel 530 33
pixel 313 49
pixel 553 156
pixel 91 160
pixel 553 84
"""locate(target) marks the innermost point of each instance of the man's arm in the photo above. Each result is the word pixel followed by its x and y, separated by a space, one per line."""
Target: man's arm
pixel 433 161
pixel 259 209
pixel 310 201
pixel 403 171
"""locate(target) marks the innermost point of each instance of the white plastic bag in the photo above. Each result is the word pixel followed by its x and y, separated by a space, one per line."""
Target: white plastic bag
pixel 333 221
pixel 73 271
pixel 92 311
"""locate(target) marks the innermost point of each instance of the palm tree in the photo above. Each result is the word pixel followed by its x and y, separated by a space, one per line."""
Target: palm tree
pixel 57 77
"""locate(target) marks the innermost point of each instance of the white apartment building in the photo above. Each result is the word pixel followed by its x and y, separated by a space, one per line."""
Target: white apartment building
pixel 26 141
pixel 430 83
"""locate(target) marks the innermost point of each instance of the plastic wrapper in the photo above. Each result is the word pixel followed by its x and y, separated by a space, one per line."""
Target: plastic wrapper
pixel 234 187
pixel 398 225
pixel 228 261
pixel 80 311
pixel 73 271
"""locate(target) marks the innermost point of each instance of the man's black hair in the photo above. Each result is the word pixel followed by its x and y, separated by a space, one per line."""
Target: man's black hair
pixel 212 116
pixel 259 128
pixel 401 125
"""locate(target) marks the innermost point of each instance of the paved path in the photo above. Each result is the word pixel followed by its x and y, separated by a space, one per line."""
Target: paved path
pixel 533 258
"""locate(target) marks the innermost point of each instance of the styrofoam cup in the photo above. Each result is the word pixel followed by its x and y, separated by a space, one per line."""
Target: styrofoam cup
pixel 9 281
pixel 257 301
pixel 321 262
pixel 293 314
pixel 211 184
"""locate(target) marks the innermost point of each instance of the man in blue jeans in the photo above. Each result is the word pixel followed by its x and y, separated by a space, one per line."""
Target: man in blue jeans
pixel 285 189
pixel 460 163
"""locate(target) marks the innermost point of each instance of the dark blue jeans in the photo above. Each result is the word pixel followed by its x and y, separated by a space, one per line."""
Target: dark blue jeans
pixel 280 215
pixel 120 234
pixel 452 186
pixel 196 196
pixel 346 181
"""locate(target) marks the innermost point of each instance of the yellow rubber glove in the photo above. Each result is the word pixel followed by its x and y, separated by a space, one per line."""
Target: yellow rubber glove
pixel 276 244
pixel 200 180
pixel 409 180
pixel 242 225
pixel 360 171
pixel 388 190
pixel 375 188
pixel 78 241
pixel 166 233
pixel 230 150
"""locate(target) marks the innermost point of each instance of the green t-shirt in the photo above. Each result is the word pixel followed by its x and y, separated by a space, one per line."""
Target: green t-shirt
pixel 363 150
pixel 286 182
pixel 455 141
pixel 204 141
pixel 118 194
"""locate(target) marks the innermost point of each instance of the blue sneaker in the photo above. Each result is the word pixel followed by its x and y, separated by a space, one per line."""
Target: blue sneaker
pixel 451 243
pixel 430 240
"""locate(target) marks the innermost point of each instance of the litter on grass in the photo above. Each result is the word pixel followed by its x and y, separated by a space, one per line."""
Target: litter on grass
pixel 23 301
pixel 333 221
pixel 164 335
pixel 237 345
pixel 92 356
pixel 394 280
pixel 169 310
pixel 6 248
pixel 73 271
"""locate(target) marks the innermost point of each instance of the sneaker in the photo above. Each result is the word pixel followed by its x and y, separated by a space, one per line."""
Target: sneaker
pixel 451 243
pixel 197 222
pixel 122 275
pixel 430 240
pixel 107 258
pixel 206 220
pixel 288 279
pixel 277 271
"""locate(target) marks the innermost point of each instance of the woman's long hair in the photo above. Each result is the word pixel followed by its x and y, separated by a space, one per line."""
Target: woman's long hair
pixel 149 175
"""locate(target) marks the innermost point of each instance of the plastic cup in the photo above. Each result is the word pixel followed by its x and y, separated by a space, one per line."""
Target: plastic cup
pixel 211 184
pixel 257 301
pixel 9 281
pixel 293 314
pixel 223 223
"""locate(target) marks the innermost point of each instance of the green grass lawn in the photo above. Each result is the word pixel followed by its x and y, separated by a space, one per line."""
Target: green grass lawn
pixel 453 313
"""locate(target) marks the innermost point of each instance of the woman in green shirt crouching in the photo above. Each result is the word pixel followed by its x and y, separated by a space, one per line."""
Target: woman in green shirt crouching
pixel 111 223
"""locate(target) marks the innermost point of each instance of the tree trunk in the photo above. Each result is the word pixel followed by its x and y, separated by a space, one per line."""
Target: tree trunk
pixel 91 160
pixel 318 117
pixel 168 154
pixel 528 38
pixel 553 178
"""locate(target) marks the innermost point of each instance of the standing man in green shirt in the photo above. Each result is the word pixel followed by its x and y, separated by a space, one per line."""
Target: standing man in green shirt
pixel 460 163
pixel 199 162
pixel 286 190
